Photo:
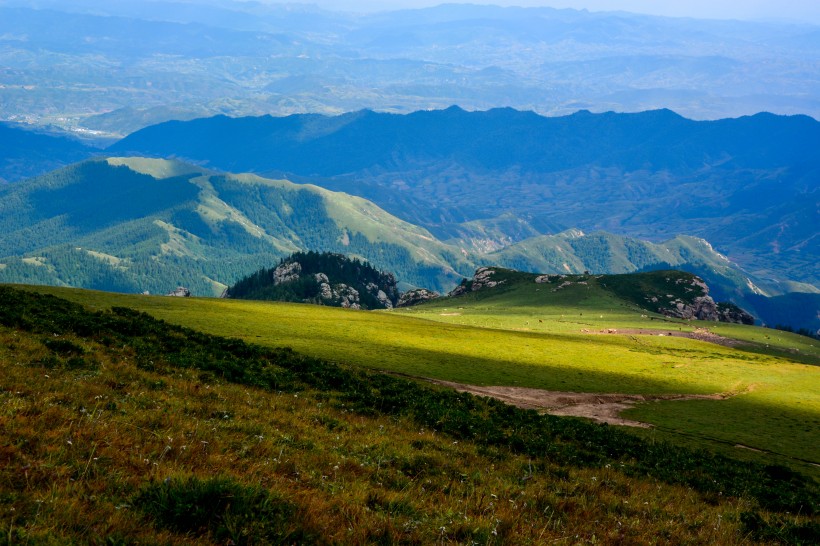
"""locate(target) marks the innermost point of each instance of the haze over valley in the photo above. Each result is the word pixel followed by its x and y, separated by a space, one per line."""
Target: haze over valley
pixel 105 69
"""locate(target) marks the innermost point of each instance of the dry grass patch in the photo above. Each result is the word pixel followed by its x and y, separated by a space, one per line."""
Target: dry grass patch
pixel 84 448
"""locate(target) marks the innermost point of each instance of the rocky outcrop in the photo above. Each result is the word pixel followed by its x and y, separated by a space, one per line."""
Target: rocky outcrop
pixel 546 279
pixel 417 296
pixel 287 272
pixel 458 291
pixel 697 304
pixel 482 279
pixel 347 296
pixel 700 308
pixel 380 295
pixel 729 312
pixel 180 292
pixel 325 291
pixel 321 278
pixel 565 281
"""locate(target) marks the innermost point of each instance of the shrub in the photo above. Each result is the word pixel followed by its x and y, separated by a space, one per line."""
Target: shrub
pixel 224 509
pixel 63 347
pixel 778 530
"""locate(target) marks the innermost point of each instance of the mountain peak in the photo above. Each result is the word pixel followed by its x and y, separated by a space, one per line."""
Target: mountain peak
pixel 157 168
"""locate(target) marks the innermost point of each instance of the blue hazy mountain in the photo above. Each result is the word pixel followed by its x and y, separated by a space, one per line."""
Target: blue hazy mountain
pixel 75 63
pixel 26 153
pixel 747 185
pixel 137 224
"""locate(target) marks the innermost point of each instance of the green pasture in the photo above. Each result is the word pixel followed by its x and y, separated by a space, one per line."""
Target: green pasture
pixel 537 308
pixel 777 407
pixel 530 307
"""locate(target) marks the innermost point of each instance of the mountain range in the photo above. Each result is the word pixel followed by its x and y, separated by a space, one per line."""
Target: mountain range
pixel 135 224
pixel 26 153
pixel 148 225
pixel 104 69
pixel 484 180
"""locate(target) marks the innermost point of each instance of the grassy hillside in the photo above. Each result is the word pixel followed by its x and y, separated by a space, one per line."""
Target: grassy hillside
pixel 785 407
pixel 121 428
pixel 574 252
pixel 528 336
pixel 136 224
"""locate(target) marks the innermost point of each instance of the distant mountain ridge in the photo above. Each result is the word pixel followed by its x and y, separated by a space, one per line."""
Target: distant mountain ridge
pixel 137 224
pixel 201 57
pixel 26 153
pixel 319 145
pixel 747 185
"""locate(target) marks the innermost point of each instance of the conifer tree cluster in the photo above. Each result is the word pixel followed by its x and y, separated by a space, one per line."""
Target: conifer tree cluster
pixel 304 283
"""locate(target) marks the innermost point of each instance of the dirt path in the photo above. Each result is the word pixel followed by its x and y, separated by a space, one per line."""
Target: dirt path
pixel 604 408
pixel 701 334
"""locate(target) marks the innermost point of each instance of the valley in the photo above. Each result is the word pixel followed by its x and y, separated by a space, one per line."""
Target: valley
pixel 513 185
pixel 102 69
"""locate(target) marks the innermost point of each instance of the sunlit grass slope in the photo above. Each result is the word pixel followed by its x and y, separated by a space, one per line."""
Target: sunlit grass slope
pixel 774 373
pixel 122 429
pixel 776 407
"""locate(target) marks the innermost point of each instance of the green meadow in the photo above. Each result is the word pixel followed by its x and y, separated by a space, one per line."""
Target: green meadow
pixel 518 336
pixel 123 429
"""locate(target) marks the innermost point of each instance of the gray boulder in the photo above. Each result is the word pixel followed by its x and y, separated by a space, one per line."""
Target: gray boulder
pixel 417 296
pixel 180 292
pixel 287 272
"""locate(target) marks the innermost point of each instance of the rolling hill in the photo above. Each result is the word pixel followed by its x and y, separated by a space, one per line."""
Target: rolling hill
pixel 487 179
pixel 136 225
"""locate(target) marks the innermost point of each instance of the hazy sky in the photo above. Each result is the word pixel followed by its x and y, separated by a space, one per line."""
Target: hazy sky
pixel 793 10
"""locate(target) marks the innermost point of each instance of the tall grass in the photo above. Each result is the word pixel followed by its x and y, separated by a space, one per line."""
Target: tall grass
pixel 117 448
pixel 779 392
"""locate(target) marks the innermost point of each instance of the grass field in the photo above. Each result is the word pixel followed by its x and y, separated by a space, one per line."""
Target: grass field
pixel 119 429
pixel 500 341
